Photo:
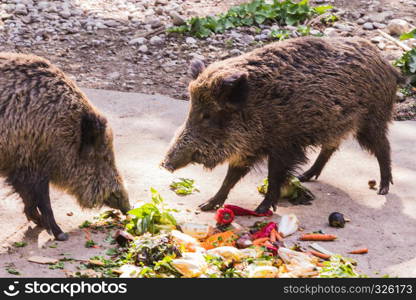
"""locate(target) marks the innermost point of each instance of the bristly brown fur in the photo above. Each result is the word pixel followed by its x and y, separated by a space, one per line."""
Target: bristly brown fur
pixel 51 133
pixel 280 99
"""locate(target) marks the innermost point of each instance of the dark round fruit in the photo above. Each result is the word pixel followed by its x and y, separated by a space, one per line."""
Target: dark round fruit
pixel 336 219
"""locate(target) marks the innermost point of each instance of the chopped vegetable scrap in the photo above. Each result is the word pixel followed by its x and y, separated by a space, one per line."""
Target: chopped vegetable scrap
pixel 183 186
pixel 288 225
pixel 153 244
pixel 224 216
pixel 293 190
pixel 336 219
pixel 317 237
pixel 359 251
pixel 239 211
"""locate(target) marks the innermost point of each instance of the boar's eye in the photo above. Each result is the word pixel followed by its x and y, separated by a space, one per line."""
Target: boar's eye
pixel 206 116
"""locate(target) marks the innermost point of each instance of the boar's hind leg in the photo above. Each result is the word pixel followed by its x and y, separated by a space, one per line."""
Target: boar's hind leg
pixel 317 167
pixel 280 167
pixel 375 141
pixel 25 192
pixel 234 174
pixel 35 194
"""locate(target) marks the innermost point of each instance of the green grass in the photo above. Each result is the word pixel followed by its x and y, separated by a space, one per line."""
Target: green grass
pixel 253 13
pixel 407 62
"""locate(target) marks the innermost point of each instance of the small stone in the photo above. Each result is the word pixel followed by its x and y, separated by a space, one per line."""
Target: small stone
pixel 381 17
pixel 65 14
pixel 368 26
pixel 20 9
pixel 315 32
pixel 197 56
pixel 190 40
pixel 331 32
pixel 398 27
pixel 155 23
pixel 177 19
pixel 27 19
pixel 43 5
pixel 379 25
pixel 381 45
pixel 235 35
pixel 156 40
pixel 138 41
pixel 111 23
pixel 159 10
pixel 377 39
pixel 360 21
pixel 343 27
pixel 143 49
pixel 235 52
pixel 266 32
pixel 247 39
pixel 114 75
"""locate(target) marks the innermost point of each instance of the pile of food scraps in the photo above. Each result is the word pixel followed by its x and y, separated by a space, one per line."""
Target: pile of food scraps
pixel 151 243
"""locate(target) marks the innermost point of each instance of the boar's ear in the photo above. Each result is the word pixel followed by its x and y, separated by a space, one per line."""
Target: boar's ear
pixel 196 68
pixel 92 130
pixel 233 90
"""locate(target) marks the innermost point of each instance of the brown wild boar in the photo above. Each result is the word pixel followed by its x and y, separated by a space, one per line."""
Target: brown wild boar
pixel 276 101
pixel 51 133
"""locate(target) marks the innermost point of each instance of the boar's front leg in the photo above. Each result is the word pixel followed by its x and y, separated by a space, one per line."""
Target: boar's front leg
pixel 234 174
pixel 34 191
pixel 280 167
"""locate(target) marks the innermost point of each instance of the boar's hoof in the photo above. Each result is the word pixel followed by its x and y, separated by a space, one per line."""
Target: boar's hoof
pixel 265 206
pixel 384 190
pixel 304 178
pixel 304 197
pixel 211 205
pixel 62 236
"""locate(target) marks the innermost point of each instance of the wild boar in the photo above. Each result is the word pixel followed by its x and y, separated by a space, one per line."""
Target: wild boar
pixel 51 133
pixel 276 101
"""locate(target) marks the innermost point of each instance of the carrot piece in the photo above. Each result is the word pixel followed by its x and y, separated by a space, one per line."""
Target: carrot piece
pixel 260 241
pixel 226 238
pixel 273 237
pixel 317 237
pixel 268 244
pixel 279 237
pixel 320 254
pixel 359 251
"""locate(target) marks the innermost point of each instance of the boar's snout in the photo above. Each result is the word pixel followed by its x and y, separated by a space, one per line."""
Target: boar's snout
pixel 119 200
pixel 177 159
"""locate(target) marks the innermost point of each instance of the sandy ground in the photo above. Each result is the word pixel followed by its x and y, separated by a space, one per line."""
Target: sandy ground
pixel 143 126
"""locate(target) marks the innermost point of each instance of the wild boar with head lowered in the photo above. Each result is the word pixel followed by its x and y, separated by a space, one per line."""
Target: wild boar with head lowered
pixel 276 101
pixel 51 133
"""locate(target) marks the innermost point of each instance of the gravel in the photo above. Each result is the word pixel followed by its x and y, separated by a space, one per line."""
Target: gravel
pixel 122 44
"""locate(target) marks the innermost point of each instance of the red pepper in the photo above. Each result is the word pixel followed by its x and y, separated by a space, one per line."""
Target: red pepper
pixel 224 216
pixel 265 231
pixel 239 211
